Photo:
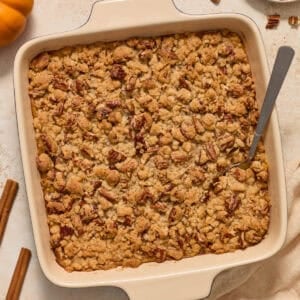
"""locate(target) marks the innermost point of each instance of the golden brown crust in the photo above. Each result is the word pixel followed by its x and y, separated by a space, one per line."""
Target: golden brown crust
pixel 130 135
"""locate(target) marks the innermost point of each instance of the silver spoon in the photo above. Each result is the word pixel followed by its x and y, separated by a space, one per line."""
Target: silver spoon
pixel 282 63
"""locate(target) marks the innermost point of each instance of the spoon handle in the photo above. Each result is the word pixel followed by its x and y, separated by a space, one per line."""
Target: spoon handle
pixel 281 66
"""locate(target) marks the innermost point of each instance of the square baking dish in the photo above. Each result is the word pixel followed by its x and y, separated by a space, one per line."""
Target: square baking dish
pixel 189 278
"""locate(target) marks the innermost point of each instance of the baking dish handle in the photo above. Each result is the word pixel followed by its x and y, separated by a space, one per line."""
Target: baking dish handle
pixel 110 14
pixel 188 286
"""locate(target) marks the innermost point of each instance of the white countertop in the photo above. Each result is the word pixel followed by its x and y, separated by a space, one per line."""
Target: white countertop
pixel 56 16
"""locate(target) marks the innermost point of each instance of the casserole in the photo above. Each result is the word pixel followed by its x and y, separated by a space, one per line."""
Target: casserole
pixel 189 278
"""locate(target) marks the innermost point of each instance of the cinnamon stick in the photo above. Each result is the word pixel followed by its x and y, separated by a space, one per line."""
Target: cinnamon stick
pixel 6 202
pixel 18 277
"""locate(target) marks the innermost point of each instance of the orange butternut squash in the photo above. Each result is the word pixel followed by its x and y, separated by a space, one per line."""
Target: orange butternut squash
pixel 13 16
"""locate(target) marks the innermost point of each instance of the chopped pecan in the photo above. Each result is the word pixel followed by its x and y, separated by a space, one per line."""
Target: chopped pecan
pixel 113 103
pixel 65 231
pixel 148 84
pixel 50 143
pixel 182 83
pixel 159 206
pixel 145 55
pixel 115 157
pixel 145 196
pixel 146 44
pixel 205 197
pixel 232 203
pixel 198 125
pixel 226 141
pixel 211 152
pixel 153 149
pixel 107 194
pixel 160 162
pixel 80 86
pixel 239 174
pixel 117 72
pixel 130 84
pixel 188 130
pixel 138 122
pixel 175 215
pixel 197 175
pixel 59 109
pixel 103 113
pixel 61 84
pixel 179 156
pixel 159 254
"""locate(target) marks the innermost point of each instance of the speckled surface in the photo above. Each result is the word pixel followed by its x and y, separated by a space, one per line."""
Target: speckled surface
pixel 56 16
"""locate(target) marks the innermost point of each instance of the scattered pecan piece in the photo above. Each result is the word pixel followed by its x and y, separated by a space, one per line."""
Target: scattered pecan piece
pixel 273 21
pixel 294 20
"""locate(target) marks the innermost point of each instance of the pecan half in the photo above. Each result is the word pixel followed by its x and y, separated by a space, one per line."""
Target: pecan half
pixel 182 83
pixel 210 151
pixel 226 141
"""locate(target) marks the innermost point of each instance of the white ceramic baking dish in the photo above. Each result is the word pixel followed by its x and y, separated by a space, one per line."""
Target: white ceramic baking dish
pixel 190 278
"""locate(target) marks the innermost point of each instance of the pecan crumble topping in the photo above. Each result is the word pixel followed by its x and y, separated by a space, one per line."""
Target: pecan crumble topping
pixel 129 136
